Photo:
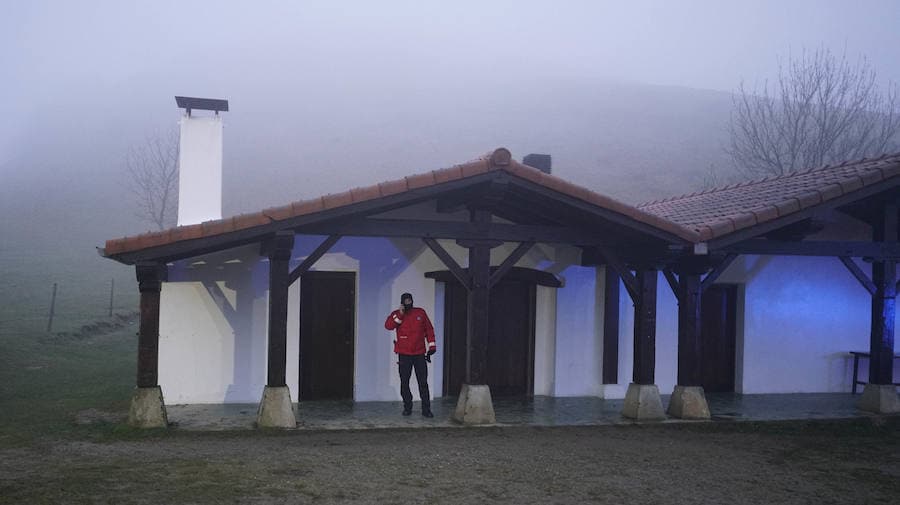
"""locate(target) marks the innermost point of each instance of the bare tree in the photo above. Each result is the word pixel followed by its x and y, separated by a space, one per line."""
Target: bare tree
pixel 823 109
pixel 153 178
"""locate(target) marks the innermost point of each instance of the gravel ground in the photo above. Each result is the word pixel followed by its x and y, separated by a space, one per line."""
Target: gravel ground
pixel 842 462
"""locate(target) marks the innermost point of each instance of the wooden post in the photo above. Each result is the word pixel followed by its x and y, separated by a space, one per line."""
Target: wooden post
pixel 645 327
pixel 150 278
pixel 884 276
pixel 478 302
pixel 611 327
pixel 689 324
pixel 278 249
pixel 52 309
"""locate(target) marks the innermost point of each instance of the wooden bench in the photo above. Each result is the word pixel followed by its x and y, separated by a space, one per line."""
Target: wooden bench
pixel 856 356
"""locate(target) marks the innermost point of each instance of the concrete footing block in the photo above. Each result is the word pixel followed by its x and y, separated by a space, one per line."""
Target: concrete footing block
pixel 642 403
pixel 688 402
pixel 475 405
pixel 148 410
pixel 880 399
pixel 276 409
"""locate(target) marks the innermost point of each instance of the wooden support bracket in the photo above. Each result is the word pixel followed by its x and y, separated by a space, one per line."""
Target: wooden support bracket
pixel 510 262
pixel 857 272
pixel 310 260
pixel 451 264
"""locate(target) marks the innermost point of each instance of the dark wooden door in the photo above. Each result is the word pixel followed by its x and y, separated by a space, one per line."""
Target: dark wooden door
pixel 718 334
pixel 510 349
pixel 327 321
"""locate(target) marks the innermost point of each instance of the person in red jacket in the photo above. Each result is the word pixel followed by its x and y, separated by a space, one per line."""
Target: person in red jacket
pixel 414 331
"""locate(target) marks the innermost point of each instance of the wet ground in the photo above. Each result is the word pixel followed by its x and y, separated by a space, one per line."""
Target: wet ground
pixel 537 411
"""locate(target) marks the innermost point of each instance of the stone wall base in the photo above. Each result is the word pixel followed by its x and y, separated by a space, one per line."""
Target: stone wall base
pixel 642 403
pixel 148 409
pixel 880 399
pixel 276 409
pixel 474 405
pixel 688 402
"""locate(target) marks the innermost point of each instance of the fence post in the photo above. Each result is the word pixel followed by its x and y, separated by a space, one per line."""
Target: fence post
pixel 52 308
pixel 112 288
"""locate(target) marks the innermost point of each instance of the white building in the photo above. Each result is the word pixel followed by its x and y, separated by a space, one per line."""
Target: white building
pixel 288 304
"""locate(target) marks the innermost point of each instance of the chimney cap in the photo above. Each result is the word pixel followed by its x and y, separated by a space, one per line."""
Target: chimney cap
pixel 214 104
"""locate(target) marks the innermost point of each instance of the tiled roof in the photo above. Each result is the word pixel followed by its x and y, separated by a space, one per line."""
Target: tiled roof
pixel 717 212
pixel 498 160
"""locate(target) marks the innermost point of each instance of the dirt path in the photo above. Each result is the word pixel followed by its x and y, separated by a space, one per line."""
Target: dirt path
pixel 838 462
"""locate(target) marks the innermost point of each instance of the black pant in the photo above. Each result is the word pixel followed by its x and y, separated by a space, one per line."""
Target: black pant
pixel 407 363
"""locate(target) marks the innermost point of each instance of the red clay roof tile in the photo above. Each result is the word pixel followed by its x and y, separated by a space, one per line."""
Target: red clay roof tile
pixel 393 187
pixel 447 174
pixel 420 180
pixel 305 207
pixel 366 193
pixel 279 213
pixel 772 197
pixel 244 221
pixel 335 200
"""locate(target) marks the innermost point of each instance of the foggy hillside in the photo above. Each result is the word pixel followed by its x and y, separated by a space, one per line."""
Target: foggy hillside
pixel 64 190
pixel 632 142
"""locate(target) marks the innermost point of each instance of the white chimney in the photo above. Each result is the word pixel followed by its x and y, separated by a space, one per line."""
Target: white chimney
pixel 200 161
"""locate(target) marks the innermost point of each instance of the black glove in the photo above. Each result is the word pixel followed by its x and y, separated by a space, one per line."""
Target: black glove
pixel 430 352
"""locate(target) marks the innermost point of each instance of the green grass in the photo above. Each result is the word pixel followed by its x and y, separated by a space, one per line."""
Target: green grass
pixel 45 380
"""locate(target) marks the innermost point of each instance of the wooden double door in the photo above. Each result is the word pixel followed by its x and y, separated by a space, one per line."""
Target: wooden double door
pixel 510 346
pixel 327 324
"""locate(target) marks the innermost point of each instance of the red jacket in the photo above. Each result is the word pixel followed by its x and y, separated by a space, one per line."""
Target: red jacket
pixel 413 329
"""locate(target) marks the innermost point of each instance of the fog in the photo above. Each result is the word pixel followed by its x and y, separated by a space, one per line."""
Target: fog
pixel 327 95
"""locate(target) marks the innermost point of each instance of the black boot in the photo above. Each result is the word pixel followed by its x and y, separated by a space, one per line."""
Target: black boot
pixel 407 411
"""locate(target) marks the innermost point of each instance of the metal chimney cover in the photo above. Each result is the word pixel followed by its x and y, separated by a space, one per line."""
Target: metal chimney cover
pixel 214 104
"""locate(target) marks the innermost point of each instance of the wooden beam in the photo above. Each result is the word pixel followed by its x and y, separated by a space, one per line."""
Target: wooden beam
pixel 717 270
pixel 462 276
pixel 610 327
pixel 527 275
pixel 278 249
pixel 509 262
pixel 150 278
pixel 420 228
pixel 645 327
pixel 857 272
pixel 310 260
pixel 853 249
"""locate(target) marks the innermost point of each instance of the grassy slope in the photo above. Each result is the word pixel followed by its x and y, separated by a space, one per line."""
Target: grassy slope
pixel 45 380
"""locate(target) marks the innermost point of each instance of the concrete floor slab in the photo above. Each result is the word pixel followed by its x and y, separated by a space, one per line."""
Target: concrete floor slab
pixel 537 411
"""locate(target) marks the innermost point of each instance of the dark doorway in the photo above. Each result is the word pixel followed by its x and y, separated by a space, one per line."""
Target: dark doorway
pixel 510 353
pixel 718 309
pixel 327 315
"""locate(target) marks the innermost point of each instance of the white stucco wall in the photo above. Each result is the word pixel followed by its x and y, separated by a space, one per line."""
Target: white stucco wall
pixel 801 317
pixel 200 169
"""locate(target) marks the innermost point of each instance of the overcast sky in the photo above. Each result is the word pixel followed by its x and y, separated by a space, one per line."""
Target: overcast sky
pixel 62 57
